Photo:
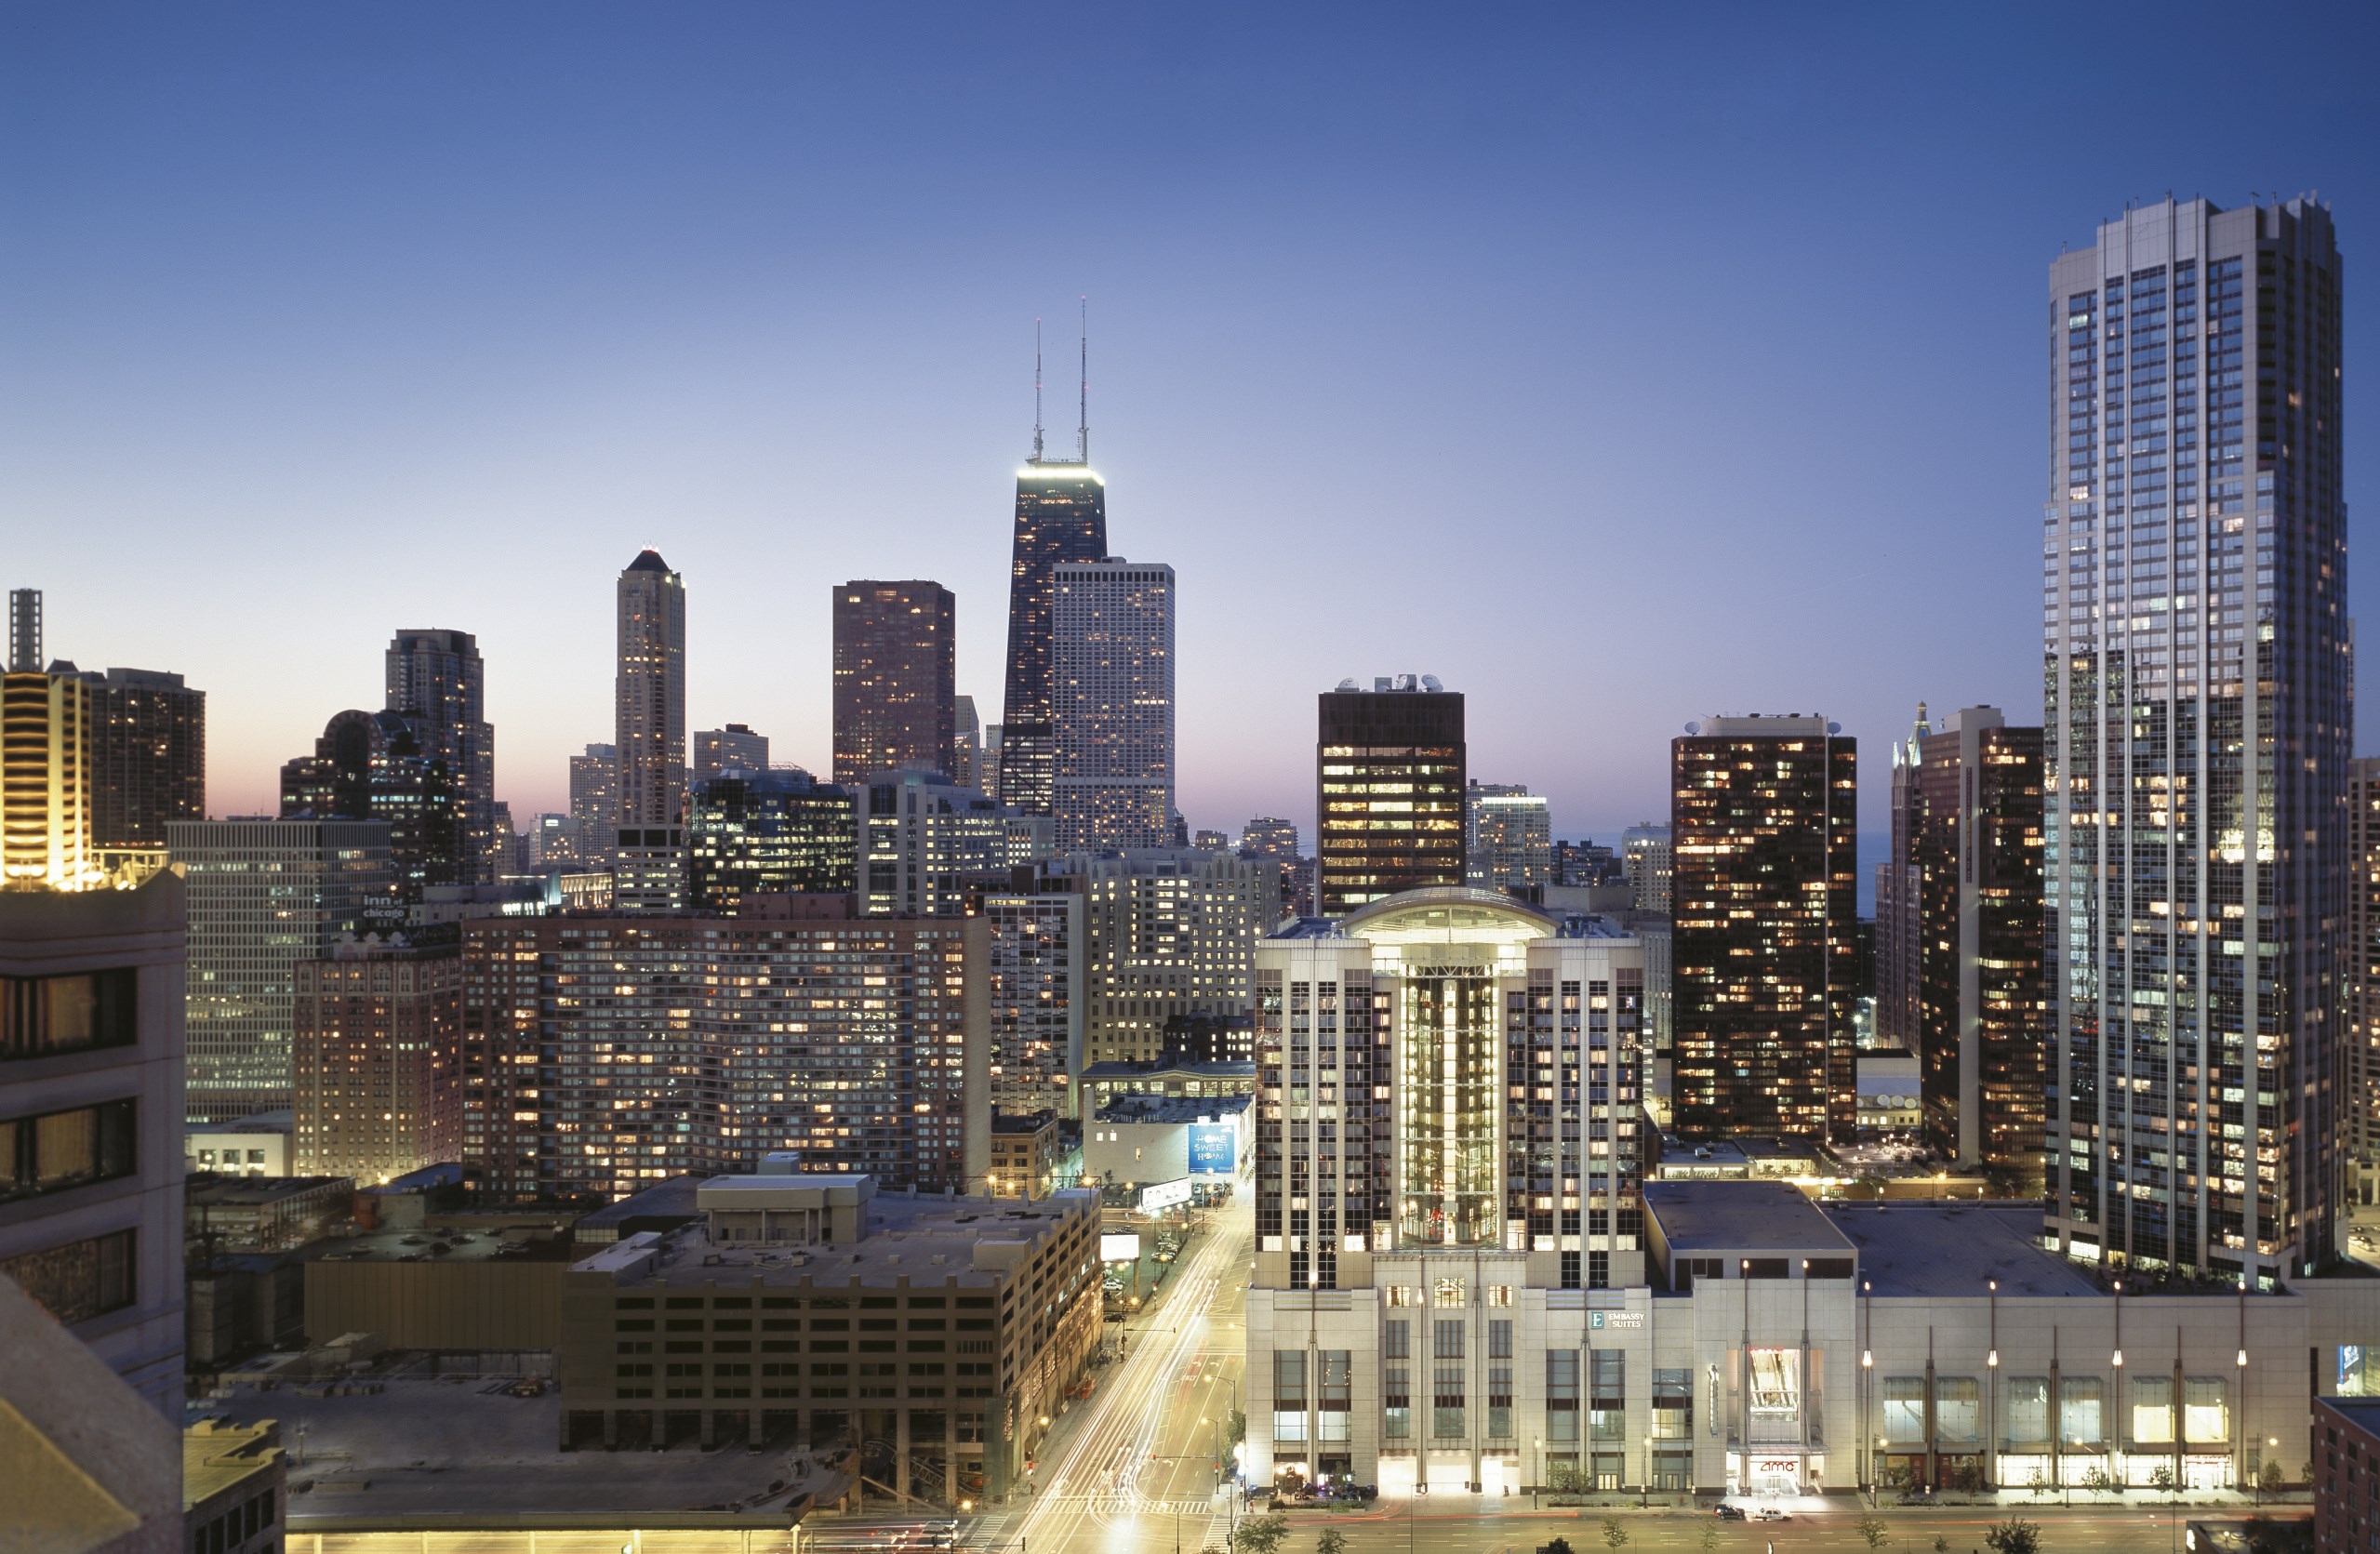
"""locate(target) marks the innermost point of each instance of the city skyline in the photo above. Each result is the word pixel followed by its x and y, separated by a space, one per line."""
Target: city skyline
pixel 1254 409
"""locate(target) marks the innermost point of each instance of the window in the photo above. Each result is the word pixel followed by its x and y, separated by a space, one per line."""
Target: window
pixel 1450 1293
pixel 59 1150
pixel 80 1280
pixel 1396 1340
pixel 1289 1395
pixel 2152 1410
pixel 2029 1410
pixel 1561 1395
pixel 1446 1401
pixel 1500 1339
pixel 1446 1339
pixel 1904 1408
pixel 44 1016
pixel 1599 1270
pixel 1673 1401
pixel 2080 1401
pixel 2206 1417
pixel 1396 1402
pixel 1958 1411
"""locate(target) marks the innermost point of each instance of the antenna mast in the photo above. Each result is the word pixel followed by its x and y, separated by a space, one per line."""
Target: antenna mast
pixel 1082 428
pixel 1037 391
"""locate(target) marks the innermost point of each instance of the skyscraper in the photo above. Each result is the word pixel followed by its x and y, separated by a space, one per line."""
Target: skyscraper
pixel 148 759
pixel 967 746
pixel 594 804
pixel 1765 893
pixel 1112 694
pixel 650 722
pixel 1977 855
pixel 1390 774
pixel 924 846
pixel 1508 837
pixel 1036 966
pixel 265 894
pixel 2196 659
pixel 370 766
pixel 45 763
pixel 1899 909
pixel 733 748
pixel 1061 516
pixel 1646 863
pixel 767 834
pixel 1168 932
pixel 2360 972
pixel 376 1065
pixel 895 678
pixel 436 679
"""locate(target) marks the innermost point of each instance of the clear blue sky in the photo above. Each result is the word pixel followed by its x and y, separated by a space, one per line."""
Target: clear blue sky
pixel 1617 369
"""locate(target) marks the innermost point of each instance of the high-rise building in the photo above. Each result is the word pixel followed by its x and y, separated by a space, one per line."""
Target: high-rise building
pixel 1418 1012
pixel 733 748
pixel 1061 516
pixel 371 767
pixel 1765 970
pixel 1646 864
pixel 557 845
pixel 594 804
pixel 895 678
pixel 1508 837
pixel 1899 901
pixel 1111 694
pixel 1168 931
pixel 148 760
pixel 2360 973
pixel 264 894
pixel 436 681
pixel 1584 863
pixel 987 762
pixel 766 833
pixel 91 1121
pixel 927 848
pixel 1268 836
pixel 2196 657
pixel 45 763
pixel 1390 773
pixel 649 868
pixel 1978 856
pixel 967 746
pixel 580 1035
pixel 1037 961
pixel 377 1068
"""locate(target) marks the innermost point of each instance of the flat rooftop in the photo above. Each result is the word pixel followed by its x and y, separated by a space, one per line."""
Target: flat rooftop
pixel 926 1240
pixel 1172 1108
pixel 1943 1248
pixel 1740 1216
pixel 442 1246
pixel 1221 1068
pixel 2363 1412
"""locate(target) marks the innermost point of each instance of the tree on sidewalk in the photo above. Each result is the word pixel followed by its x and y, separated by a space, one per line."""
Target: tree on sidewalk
pixel 1872 1530
pixel 1332 1541
pixel 1614 1532
pixel 2014 1535
pixel 1260 1535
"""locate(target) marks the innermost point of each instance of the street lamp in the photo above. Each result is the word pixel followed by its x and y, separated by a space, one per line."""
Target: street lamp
pixel 1644 1488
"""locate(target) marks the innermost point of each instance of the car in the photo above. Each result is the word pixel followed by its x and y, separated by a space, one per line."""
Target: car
pixel 1726 1512
pixel 1770 1513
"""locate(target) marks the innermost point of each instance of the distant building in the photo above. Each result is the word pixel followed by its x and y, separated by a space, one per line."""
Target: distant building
pixel 234 1487
pixel 557 845
pixel 258 1146
pixel 1025 1155
pixel 1983 1005
pixel 1764 903
pixel 763 832
pixel 1209 1039
pixel 1111 694
pixel 437 683
pixel 1647 862
pixel 595 804
pixel 1900 1002
pixel 263 895
pixel 148 760
pixel 1588 865
pixel 1061 516
pixel 1170 931
pixel 895 678
pixel 1508 837
pixel 966 748
pixel 91 1103
pixel 649 868
pixel 926 846
pixel 1274 841
pixel 262 1214
pixel 1891 1094
pixel 371 767
pixel 734 747
pixel 1391 777
pixel 378 1064
pixel 1037 960
pixel 2359 970
pixel 46 753
pixel 583 1028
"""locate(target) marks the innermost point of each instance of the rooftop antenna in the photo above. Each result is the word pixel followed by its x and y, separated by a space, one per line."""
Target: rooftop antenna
pixel 1037 391
pixel 1082 428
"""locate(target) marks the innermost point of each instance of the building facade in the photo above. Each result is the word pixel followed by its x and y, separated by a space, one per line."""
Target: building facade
pixel 1037 958
pixel 1389 778
pixel 1645 863
pixel 733 748
pixel 1061 516
pixel 1984 1009
pixel 1112 695
pixel 649 863
pixel 148 760
pixel 1899 901
pixel 595 804
pixel 1765 965
pixel 926 848
pixel 91 1118
pixel 769 833
pixel 2359 1141
pixel 1168 931
pixel 1508 837
pixel 371 767
pixel 2194 618
pixel 378 1061
pixel 263 895
pixel 895 678
pixel 438 684
pixel 603 1054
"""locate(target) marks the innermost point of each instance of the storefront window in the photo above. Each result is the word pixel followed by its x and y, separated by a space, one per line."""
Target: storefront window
pixel 2079 1412
pixel 2206 1413
pixel 2152 1411
pixel 1904 1408
pixel 2029 1410
pixel 1958 1411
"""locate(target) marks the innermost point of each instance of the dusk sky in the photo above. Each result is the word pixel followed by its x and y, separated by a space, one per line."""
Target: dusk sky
pixel 1617 369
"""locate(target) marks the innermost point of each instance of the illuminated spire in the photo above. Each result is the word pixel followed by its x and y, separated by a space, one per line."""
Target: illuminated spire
pixel 1082 428
pixel 1037 391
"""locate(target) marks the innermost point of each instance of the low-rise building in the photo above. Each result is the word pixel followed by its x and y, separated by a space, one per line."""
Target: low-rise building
pixel 940 1332
pixel 263 1214
pixel 256 1145
pixel 446 1289
pixel 2347 1473
pixel 1890 1102
pixel 1103 1083
pixel 1026 1153
pixel 1135 1140
pixel 234 1487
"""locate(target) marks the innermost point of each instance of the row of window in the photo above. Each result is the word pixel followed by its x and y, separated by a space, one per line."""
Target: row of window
pixel 58 1151
pixel 44 1017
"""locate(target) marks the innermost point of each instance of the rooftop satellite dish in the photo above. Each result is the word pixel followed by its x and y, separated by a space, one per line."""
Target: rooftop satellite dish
pixel 1834 728
pixel 1694 729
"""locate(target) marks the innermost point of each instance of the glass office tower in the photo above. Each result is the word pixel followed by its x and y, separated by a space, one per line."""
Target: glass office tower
pixel 1061 516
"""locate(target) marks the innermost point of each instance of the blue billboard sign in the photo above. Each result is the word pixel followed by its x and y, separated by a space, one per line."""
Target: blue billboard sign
pixel 1214 1148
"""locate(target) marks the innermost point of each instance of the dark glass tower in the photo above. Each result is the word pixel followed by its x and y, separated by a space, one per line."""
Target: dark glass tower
pixel 1061 516
pixel 895 683
pixel 1389 770
pixel 436 679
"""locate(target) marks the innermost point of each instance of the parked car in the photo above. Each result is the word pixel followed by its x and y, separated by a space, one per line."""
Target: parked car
pixel 1726 1512
pixel 1770 1513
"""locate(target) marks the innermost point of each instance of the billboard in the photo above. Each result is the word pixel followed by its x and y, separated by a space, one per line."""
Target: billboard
pixel 1165 1195
pixel 1119 1248
pixel 1214 1148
